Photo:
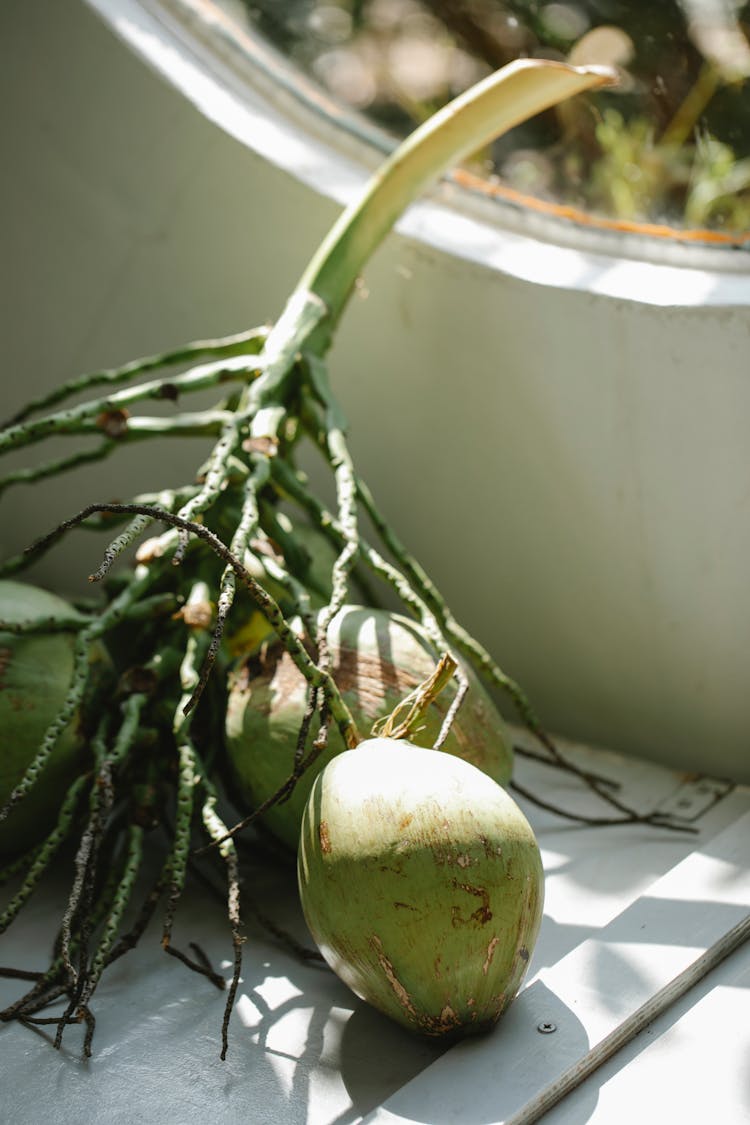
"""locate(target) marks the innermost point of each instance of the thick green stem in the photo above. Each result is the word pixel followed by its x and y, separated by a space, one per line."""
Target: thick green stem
pixel 490 108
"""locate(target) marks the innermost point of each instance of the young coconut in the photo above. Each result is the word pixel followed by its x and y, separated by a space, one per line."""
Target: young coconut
pixel 422 884
pixel 377 658
pixel 35 673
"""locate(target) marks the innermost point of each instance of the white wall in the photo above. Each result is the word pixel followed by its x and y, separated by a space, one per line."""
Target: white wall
pixel 566 451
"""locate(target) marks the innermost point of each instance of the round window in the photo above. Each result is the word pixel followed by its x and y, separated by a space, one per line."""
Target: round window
pixel 667 152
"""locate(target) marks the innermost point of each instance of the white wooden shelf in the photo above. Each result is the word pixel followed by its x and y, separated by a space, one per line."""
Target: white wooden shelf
pixel 627 909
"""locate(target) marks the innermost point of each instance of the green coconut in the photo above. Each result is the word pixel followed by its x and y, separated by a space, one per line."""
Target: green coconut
pixel 422 885
pixel 377 658
pixel 35 674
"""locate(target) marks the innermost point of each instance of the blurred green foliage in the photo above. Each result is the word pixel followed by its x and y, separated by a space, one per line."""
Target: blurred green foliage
pixel 671 144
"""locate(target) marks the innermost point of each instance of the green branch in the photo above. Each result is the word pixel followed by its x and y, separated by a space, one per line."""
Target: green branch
pixel 486 111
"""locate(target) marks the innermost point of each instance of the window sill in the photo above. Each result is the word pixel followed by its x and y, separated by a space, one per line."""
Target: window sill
pixel 618 910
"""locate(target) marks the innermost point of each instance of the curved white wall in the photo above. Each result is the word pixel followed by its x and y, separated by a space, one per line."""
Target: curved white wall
pixel 561 437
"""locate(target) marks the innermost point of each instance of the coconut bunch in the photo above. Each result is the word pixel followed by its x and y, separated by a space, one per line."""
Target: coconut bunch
pixel 247 643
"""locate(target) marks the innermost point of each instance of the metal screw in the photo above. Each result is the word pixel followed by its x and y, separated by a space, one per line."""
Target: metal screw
pixel 546 1027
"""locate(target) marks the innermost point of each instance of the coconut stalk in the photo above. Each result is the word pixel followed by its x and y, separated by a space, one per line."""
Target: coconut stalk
pixel 472 120
pixel 224 557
